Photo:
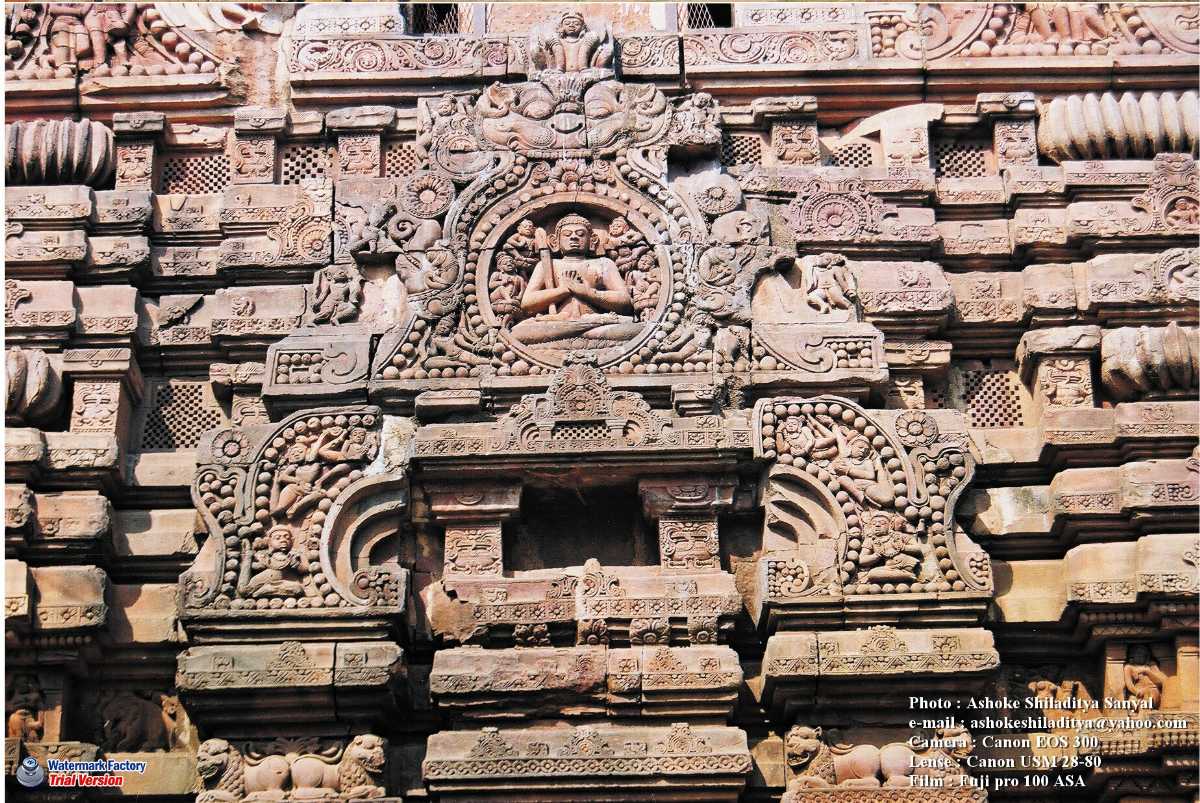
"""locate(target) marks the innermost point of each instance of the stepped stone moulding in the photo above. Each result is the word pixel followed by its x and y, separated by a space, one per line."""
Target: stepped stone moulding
pixel 601 402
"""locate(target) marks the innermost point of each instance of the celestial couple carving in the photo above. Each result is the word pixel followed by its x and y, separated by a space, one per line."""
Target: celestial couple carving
pixel 271 550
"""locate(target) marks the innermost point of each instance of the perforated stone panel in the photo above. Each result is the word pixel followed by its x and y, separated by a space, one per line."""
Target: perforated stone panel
pixel 176 413
pixel 935 394
pixel 194 174
pixel 741 149
pixel 961 158
pixel 992 397
pixel 400 158
pixel 854 154
pixel 306 161
pixel 700 16
pixel 440 18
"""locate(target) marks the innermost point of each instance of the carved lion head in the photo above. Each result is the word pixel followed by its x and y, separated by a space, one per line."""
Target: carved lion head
pixel 212 758
pixel 368 751
pixel 964 743
pixel 801 744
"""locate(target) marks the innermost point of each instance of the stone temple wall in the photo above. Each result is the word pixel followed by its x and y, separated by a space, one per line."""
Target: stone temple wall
pixel 647 402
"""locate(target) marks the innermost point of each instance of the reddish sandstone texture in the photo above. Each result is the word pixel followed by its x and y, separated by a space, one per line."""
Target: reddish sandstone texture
pixel 602 401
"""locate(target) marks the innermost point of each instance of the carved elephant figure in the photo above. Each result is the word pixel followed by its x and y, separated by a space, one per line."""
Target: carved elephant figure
pixel 133 724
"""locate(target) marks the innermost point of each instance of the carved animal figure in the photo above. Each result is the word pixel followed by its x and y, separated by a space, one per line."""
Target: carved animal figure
pixel 135 724
pixel 221 772
pixel 818 765
pixel 354 776
pixel 348 774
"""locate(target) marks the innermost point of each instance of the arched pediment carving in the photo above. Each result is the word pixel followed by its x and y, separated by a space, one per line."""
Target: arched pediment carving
pixel 868 495
pixel 282 505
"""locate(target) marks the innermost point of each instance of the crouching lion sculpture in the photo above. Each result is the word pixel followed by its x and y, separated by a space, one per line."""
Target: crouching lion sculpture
pixel 817 765
pixel 283 773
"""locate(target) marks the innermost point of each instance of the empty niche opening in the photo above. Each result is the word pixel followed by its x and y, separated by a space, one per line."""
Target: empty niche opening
pixel 560 527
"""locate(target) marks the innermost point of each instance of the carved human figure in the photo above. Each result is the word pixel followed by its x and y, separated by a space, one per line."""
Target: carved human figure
pixel 720 311
pixel 1143 678
pixel 1184 212
pixel 84 33
pixel 634 259
pixel 338 295
pixel 340 446
pixel 25 706
pixel 514 264
pixel 368 238
pixel 571 47
pixel 574 295
pixel 1062 22
pixel 828 282
pixel 857 468
pixel 280 566
pixel 299 484
pixel 890 553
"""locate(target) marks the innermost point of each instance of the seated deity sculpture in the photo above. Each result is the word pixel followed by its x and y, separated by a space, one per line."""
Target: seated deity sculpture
pixel 574 299
pixel 890 553
pixel 280 566
pixel 571 47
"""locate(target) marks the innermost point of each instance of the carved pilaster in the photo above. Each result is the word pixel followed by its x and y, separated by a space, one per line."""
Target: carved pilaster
pixel 139 137
pixel 107 386
pixel 253 153
pixel 686 509
pixel 793 125
pixel 472 513
pixel 359 132
pixel 1058 365
pixel 1014 132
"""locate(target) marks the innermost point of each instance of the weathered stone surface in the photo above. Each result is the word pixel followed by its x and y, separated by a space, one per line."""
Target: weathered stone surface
pixel 680 387
pixel 501 764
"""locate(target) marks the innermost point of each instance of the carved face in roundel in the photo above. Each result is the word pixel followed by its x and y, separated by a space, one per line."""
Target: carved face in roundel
pixel 573 236
pixel 279 539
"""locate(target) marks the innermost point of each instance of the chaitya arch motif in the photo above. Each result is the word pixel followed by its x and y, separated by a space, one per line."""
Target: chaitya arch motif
pixel 494 402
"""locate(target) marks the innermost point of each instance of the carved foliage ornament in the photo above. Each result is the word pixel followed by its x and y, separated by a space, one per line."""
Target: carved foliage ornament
pixel 892 489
